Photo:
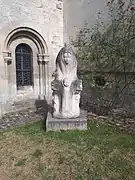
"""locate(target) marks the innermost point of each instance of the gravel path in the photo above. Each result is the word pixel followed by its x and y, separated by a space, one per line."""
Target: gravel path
pixel 14 119
pixel 29 115
pixel 126 124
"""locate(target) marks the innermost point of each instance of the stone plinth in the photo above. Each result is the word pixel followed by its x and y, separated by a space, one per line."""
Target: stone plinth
pixel 55 124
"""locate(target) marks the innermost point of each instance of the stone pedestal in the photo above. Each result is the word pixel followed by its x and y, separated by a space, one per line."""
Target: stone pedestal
pixel 55 124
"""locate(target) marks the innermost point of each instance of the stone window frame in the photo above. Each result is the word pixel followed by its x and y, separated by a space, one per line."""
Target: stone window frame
pixel 40 62
pixel 13 86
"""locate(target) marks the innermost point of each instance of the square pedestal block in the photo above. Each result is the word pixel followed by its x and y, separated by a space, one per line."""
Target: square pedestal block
pixel 54 124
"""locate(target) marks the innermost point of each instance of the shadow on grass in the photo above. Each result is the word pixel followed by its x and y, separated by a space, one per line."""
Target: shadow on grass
pixel 43 108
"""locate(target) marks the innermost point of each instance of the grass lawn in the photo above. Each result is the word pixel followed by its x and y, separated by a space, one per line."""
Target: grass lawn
pixel 100 153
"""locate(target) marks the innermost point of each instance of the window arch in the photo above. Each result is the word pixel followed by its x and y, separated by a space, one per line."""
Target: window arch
pixel 24 65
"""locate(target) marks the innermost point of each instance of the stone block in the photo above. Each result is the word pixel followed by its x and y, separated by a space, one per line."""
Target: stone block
pixel 55 124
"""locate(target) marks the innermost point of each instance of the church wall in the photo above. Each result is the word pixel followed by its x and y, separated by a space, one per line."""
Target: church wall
pixel 46 18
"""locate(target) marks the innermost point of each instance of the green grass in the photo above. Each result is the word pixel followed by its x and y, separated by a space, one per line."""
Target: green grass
pixel 100 153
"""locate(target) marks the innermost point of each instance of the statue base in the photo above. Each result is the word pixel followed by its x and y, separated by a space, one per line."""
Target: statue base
pixel 55 124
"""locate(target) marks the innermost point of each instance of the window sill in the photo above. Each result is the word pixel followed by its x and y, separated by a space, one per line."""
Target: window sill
pixel 25 89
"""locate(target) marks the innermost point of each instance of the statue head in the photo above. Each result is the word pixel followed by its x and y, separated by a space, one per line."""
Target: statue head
pixel 66 61
pixel 67 57
pixel 67 54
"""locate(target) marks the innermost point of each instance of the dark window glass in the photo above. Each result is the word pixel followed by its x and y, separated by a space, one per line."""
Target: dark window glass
pixel 24 60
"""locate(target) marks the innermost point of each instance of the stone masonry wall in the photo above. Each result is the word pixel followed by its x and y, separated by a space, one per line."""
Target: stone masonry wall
pixel 44 16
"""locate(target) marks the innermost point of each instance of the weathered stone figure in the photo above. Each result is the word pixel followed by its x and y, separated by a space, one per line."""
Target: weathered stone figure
pixel 66 86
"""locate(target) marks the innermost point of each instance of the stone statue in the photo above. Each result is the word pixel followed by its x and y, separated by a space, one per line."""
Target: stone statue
pixel 66 86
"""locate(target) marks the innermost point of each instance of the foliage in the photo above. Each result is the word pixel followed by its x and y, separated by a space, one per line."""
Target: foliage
pixel 108 50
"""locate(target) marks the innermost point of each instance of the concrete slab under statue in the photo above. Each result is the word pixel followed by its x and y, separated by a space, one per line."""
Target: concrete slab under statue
pixel 66 89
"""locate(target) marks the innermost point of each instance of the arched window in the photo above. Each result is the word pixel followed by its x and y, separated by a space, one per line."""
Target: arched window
pixel 24 65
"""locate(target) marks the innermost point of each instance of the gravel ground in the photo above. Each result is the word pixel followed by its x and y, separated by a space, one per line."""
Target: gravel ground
pixel 126 124
pixel 30 115
pixel 14 119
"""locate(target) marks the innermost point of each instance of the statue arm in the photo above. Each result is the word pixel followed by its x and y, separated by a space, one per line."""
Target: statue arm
pixel 76 86
pixel 56 85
